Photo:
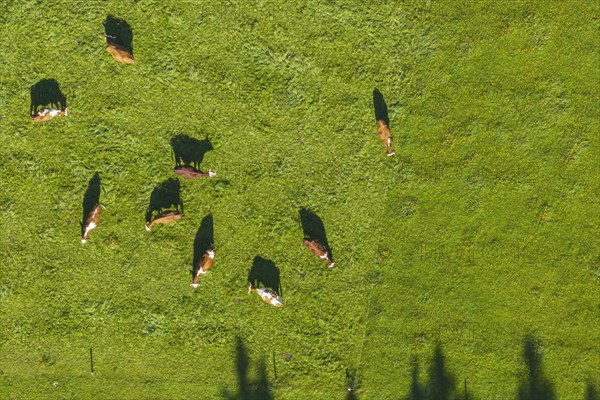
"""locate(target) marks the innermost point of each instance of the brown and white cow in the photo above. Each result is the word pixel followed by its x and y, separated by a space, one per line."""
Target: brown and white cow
pixel 318 250
pixel 268 296
pixel 189 172
pixel 91 221
pixel 119 53
pixel 165 217
pixel 385 136
pixel 203 265
pixel 46 114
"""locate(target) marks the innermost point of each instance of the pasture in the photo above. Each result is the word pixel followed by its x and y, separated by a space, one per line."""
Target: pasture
pixel 466 265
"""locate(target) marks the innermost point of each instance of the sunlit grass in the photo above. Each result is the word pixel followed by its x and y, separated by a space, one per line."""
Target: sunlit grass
pixel 480 232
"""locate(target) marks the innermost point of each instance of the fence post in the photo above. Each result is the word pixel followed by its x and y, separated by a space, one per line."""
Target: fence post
pixel 91 362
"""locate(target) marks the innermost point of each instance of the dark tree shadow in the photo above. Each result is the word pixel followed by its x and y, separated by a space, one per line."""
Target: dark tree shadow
pixel 91 198
pixel 440 384
pixel 351 385
pixel 535 386
pixel 417 392
pixel 351 396
pixel 189 151
pixel 46 93
pixel 590 392
pixel 164 196
pixel 241 366
pixel 313 228
pixel 261 389
pixel 381 110
pixel 204 240
pixel 248 390
pixel 118 32
pixel 265 272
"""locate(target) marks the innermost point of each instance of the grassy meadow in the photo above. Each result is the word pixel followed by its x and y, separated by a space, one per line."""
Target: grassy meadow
pixel 467 265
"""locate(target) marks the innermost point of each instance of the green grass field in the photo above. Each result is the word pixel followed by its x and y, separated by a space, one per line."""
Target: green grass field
pixel 469 258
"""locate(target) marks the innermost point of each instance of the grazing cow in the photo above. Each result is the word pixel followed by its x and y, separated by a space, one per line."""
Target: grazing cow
pixel 267 295
pixel 91 221
pixel 386 136
pixel 318 250
pixel 203 265
pixel 165 217
pixel 189 172
pixel 118 52
pixel 46 114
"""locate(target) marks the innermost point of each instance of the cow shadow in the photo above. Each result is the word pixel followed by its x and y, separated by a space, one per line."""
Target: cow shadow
pixel 249 389
pixel 313 229
pixel 118 32
pixel 46 93
pixel 264 271
pixel 440 384
pixel 91 198
pixel 535 385
pixel 189 151
pixel 204 240
pixel 166 195
pixel 380 106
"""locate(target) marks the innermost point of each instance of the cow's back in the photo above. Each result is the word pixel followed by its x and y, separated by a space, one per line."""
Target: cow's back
pixel 315 247
pixel 119 54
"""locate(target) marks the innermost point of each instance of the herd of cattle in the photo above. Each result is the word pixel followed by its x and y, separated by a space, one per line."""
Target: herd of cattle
pixel 121 54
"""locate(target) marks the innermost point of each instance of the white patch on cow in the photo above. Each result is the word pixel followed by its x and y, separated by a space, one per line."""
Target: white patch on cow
pixel 87 231
pixel 323 256
pixel 276 301
pixel 195 285
pixel 331 265
pixel 201 272
pixel 266 296
pixel 211 253
pixel 54 112
pixel 211 173
pixel 83 240
pixel 147 227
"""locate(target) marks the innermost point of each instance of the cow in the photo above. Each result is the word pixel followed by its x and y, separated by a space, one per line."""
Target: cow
pixel 91 221
pixel 318 250
pixel 268 296
pixel 165 217
pixel 203 265
pixel 385 136
pixel 118 52
pixel 46 114
pixel 189 172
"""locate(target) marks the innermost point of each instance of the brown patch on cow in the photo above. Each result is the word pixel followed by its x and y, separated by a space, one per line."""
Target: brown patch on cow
pixel 166 217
